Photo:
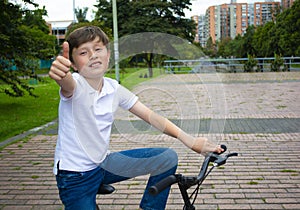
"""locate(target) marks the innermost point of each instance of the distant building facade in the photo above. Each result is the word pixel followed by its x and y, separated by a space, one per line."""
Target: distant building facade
pixel 230 20
pixel 59 29
pixel 287 3
pixel 227 20
pixel 265 12
pixel 200 36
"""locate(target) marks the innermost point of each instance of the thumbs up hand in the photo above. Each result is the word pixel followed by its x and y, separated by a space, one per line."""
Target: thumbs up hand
pixel 61 66
pixel 65 50
pixel 60 72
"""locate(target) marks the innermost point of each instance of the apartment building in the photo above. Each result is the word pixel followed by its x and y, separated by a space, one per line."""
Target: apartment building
pixel 202 34
pixel 287 3
pixel 265 12
pixel 229 20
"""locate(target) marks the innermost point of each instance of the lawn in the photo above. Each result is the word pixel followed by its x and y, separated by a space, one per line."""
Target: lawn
pixel 23 113
pixel 18 115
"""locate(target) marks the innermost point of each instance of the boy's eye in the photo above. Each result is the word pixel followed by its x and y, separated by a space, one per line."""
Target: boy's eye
pixel 82 53
pixel 98 49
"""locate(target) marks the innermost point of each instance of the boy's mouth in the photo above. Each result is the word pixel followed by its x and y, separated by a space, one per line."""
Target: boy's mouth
pixel 96 64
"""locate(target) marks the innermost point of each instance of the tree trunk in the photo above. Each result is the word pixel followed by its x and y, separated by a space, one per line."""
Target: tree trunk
pixel 150 70
pixel 148 57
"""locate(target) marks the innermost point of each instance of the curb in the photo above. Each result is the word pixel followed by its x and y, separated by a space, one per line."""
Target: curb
pixel 26 133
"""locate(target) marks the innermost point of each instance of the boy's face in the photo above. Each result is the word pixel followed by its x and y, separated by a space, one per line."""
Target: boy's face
pixel 91 59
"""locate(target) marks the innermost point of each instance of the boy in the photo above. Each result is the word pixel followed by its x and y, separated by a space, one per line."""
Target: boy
pixel 88 102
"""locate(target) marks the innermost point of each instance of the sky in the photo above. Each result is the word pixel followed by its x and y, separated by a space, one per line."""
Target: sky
pixel 63 9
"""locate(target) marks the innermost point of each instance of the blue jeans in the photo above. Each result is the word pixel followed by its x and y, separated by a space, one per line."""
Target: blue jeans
pixel 78 190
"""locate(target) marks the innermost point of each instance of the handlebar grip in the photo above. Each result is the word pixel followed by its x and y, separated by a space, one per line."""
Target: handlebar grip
pixel 223 146
pixel 163 184
pixel 224 149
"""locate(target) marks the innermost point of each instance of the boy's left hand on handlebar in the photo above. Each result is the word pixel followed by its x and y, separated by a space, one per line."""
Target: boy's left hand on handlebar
pixel 204 146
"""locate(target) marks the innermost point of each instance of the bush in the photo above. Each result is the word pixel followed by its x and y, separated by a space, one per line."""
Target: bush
pixel 277 63
pixel 250 64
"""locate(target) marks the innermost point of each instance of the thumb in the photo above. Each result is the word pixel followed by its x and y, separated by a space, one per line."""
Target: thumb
pixel 65 50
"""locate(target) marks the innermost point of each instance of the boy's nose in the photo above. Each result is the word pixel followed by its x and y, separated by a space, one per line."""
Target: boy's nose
pixel 93 55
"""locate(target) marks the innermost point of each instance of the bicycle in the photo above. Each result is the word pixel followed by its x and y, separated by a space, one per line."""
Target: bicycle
pixel 186 182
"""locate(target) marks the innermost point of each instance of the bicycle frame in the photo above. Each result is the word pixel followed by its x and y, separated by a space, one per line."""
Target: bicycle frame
pixel 185 182
pixel 187 203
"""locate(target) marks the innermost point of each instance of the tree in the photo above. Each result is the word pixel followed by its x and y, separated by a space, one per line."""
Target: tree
pixel 148 16
pixel 288 30
pixel 81 14
pixel 247 44
pixel 279 37
pixel 262 40
pixel 34 18
pixel 224 49
pixel 23 40
pixel 210 49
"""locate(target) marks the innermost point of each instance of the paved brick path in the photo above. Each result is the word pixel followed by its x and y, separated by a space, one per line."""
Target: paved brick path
pixel 258 114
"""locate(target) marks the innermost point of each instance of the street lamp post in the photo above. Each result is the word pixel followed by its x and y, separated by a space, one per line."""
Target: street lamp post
pixel 116 42
pixel 74 15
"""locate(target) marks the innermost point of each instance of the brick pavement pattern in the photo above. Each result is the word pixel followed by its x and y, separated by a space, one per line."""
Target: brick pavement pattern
pixel 264 176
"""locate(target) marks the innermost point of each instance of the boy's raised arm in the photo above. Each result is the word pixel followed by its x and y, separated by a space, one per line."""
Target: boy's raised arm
pixel 60 72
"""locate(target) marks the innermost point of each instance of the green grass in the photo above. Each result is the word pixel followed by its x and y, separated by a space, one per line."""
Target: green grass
pixel 24 113
pixel 288 171
pixel 134 76
pixel 18 115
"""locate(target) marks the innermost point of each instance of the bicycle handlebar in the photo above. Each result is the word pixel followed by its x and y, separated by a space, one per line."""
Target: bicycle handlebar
pixel 217 159
pixel 210 157
pixel 163 184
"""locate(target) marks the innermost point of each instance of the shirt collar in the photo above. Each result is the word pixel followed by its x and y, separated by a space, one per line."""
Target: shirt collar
pixel 107 88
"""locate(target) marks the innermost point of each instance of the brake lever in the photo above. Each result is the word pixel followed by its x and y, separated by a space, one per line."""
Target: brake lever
pixel 214 158
pixel 232 154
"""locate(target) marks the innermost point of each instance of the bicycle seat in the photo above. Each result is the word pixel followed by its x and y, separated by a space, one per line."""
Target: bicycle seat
pixel 105 189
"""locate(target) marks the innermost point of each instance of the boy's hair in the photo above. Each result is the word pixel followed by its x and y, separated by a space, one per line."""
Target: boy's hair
pixel 85 34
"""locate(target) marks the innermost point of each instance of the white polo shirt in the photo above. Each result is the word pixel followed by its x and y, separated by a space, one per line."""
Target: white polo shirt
pixel 85 122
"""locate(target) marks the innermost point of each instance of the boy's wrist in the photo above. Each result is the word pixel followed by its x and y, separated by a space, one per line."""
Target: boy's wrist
pixel 187 139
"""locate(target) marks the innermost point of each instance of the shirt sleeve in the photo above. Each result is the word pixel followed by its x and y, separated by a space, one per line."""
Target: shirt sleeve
pixel 126 98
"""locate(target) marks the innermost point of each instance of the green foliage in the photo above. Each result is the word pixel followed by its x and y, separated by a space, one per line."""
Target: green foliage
pixel 277 63
pixel 236 46
pixel 250 64
pixel 288 31
pixel 247 43
pixel 261 40
pixel 148 16
pixel 81 14
pixel 24 38
pixel 281 37
pixel 34 18
pixel 224 47
pixel 211 49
